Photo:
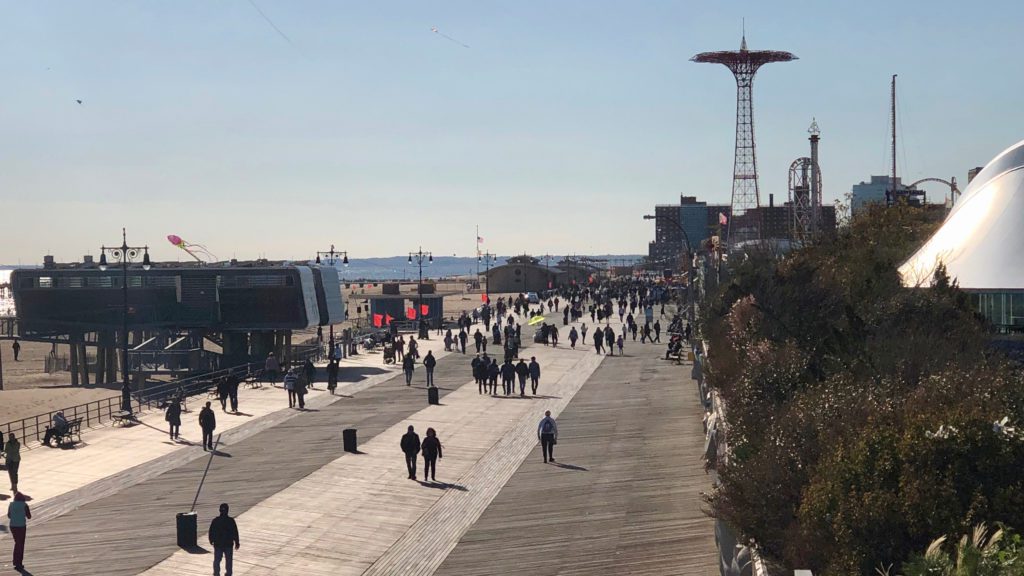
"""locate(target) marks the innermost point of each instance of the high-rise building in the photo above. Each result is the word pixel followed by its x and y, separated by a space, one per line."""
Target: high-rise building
pixel 698 219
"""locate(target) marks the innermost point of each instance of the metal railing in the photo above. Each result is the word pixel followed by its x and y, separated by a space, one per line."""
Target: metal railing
pixel 30 431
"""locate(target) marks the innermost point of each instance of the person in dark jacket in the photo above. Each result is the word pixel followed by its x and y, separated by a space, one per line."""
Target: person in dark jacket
pixel 534 374
pixel 493 371
pixel 222 394
pixel 332 376
pixel 609 339
pixel 429 362
pixel 478 339
pixel 208 422
pixel 233 383
pixel 508 376
pixel 408 366
pixel 522 371
pixel 223 534
pixel 431 452
pixel 310 369
pixel 462 340
pixel 411 447
pixel 173 417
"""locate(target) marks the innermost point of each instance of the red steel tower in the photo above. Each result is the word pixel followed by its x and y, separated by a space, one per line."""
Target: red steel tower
pixel 745 194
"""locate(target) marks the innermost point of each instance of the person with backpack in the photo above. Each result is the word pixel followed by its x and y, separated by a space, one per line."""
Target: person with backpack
pixel 431 449
pixel 173 418
pixel 291 382
pixel 547 433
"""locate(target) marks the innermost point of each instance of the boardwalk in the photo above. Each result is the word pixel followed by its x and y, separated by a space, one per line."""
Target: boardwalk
pixel 624 498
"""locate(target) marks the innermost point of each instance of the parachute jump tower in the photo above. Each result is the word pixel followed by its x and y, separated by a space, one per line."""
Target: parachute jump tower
pixel 744 64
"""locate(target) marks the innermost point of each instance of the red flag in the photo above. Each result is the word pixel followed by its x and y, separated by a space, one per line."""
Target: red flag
pixel 377 319
pixel 410 313
pixel 483 297
pixel 549 284
pixel 722 219
pixel 388 319
pixel 424 309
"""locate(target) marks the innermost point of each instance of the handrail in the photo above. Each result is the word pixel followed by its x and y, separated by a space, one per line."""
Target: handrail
pixel 31 430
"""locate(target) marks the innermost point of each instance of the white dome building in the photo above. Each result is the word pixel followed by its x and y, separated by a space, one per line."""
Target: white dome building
pixel 981 242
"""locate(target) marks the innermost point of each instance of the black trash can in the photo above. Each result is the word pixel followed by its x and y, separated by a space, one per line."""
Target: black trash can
pixel 187 530
pixel 432 396
pixel 348 438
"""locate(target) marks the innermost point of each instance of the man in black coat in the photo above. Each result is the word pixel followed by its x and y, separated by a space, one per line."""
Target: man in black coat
pixel 411 447
pixel 429 362
pixel 508 375
pixel 223 534
pixel 208 422
pixel 522 371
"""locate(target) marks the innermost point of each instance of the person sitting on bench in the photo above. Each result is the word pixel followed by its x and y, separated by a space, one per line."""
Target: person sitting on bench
pixel 60 426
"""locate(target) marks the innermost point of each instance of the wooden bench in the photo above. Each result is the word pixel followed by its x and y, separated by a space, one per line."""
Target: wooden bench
pixel 69 433
pixel 123 417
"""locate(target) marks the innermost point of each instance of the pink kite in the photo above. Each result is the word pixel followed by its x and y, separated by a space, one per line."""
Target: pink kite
pixel 190 248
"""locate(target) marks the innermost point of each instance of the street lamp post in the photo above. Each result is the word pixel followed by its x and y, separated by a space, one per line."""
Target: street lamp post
pixel 689 253
pixel 489 258
pixel 331 258
pixel 420 256
pixel 124 255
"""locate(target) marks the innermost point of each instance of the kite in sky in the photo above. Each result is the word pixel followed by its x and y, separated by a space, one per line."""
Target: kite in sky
pixel 442 34
pixel 192 249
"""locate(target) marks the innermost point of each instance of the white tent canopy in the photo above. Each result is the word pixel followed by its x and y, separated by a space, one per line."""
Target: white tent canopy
pixel 981 242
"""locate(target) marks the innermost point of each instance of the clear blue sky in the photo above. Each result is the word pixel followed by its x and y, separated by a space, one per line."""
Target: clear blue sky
pixel 560 126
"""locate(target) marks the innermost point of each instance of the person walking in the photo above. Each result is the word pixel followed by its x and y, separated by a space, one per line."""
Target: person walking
pixel 13 451
pixel 16 347
pixel 547 433
pixel 332 376
pixel 291 382
pixel 522 371
pixel 508 374
pixel 309 369
pixel 224 539
pixel 400 348
pixel 233 383
pixel 599 341
pixel 534 374
pixel 271 368
pixel 173 418
pixel 410 447
pixel 18 514
pixel 408 366
pixel 431 453
pixel 573 337
pixel 222 393
pixel 208 423
pixel 657 332
pixel 493 371
pixel 462 340
pixel 583 333
pixel 429 362
pixel 448 341
pixel 609 339
pixel 620 343
pixel 301 387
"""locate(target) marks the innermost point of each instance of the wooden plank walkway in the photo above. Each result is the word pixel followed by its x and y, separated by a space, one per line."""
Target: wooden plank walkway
pixel 624 497
pixel 133 529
